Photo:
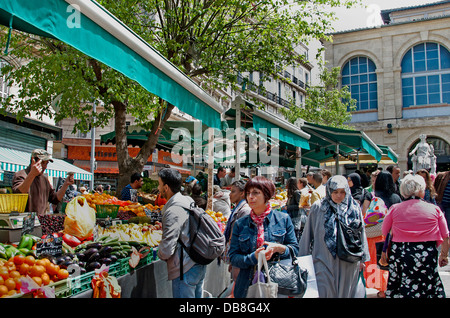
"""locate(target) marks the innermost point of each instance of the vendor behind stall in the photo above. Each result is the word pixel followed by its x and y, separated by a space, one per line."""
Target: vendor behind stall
pixel 32 181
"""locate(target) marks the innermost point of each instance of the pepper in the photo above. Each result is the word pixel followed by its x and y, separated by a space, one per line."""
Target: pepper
pixel 26 242
pixel 71 240
pixel 3 252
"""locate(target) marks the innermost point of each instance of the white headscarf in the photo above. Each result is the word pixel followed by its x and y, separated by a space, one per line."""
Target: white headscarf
pixel 347 211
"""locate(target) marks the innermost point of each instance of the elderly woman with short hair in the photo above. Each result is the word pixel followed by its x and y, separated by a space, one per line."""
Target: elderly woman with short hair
pixel 418 228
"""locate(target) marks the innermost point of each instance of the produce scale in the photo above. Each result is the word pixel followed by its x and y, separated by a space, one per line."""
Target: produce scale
pixel 11 226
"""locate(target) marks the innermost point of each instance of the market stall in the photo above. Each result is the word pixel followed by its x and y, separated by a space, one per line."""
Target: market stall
pixel 99 233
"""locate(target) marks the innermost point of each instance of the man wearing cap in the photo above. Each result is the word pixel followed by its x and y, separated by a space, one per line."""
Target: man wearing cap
pixel 32 181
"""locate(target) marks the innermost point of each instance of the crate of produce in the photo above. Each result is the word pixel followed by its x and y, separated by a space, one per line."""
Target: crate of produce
pixel 13 202
pixel 105 210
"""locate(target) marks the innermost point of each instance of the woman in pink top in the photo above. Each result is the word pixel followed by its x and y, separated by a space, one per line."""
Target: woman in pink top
pixel 417 228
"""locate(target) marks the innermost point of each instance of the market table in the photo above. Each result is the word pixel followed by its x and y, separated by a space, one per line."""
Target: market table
pixel 150 281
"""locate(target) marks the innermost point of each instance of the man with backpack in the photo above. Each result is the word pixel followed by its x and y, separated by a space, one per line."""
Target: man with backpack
pixel 189 235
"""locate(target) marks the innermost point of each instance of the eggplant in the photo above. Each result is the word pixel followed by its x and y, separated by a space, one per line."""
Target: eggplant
pixel 82 270
pixel 105 251
pixel 80 256
pixel 89 252
pixel 106 261
pixel 92 266
pixel 93 258
pixel 66 264
pixel 60 260
pixel 96 245
pixel 113 259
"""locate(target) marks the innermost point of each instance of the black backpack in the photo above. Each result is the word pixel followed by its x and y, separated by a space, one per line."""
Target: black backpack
pixel 206 240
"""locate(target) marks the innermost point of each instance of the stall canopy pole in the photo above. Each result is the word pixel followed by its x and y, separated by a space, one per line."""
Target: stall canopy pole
pixel 93 145
pixel 337 158
pixel 209 205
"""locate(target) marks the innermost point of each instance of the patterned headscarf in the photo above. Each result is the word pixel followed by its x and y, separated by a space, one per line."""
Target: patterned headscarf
pixel 347 211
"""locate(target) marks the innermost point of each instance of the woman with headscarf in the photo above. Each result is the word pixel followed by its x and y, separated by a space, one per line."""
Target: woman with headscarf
pixel 356 189
pixel 336 278
pixel 263 229
pixel 384 189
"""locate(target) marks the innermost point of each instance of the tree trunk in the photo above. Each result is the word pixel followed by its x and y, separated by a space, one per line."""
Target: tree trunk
pixel 127 164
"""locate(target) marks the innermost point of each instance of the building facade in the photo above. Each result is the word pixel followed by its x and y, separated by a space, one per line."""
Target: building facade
pixel 399 73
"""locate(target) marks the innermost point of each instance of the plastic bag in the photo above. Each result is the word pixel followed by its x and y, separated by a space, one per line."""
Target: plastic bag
pixel 80 218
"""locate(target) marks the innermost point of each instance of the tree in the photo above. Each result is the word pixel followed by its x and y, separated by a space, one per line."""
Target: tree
pixel 210 40
pixel 327 104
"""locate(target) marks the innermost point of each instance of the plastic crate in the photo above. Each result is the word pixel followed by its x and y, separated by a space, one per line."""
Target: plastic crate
pixel 62 288
pixel 13 202
pixel 80 283
pixel 105 210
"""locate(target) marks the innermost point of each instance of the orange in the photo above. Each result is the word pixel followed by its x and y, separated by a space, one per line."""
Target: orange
pixel 3 290
pixel 45 279
pixel 19 259
pixel 52 269
pixel 38 280
pixel 40 262
pixel 24 268
pixel 11 266
pixel 10 283
pixel 18 283
pixel 37 270
pixel 2 281
pixel 12 292
pixel 14 274
pixel 30 260
pixel 63 273
pixel 4 272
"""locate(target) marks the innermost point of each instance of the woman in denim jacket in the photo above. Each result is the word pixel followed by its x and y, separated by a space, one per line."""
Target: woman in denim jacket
pixel 264 228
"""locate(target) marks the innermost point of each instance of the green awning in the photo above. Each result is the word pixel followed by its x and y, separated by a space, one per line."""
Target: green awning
pixel 14 160
pixel 283 134
pixel 91 29
pixel 324 139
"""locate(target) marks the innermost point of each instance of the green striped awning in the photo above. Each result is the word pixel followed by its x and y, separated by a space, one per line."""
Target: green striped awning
pixel 14 160
pixel 91 29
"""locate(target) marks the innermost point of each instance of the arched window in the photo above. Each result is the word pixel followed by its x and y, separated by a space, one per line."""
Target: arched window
pixel 360 77
pixel 426 75
pixel 4 89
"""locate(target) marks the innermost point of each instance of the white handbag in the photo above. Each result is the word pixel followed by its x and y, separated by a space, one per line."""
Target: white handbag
pixel 268 289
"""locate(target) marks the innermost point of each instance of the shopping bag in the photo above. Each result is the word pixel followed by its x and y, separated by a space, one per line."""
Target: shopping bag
pixel 80 218
pixel 260 289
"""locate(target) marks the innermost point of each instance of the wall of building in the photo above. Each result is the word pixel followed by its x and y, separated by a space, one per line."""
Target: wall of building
pixel 386 46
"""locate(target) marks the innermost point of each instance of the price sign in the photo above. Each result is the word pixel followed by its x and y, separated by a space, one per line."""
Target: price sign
pixel 49 245
pixel 28 223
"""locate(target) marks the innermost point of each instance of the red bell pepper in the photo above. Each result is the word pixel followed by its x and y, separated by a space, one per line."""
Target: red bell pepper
pixel 71 240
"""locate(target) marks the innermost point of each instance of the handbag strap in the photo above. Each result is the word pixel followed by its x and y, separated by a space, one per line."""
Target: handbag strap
pixel 291 252
pixel 263 262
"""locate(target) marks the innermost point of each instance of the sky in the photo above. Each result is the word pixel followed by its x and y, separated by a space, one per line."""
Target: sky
pixel 362 16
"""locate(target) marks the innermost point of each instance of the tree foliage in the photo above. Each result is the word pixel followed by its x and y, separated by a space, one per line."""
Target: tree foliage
pixel 209 40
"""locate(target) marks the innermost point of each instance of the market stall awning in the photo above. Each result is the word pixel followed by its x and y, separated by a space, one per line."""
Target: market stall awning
pixel 327 141
pixel 14 160
pixel 91 29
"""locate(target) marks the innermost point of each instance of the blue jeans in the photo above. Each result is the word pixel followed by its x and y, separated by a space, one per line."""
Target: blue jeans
pixel 192 284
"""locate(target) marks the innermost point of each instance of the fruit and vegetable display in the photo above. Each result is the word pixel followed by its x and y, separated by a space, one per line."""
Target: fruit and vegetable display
pixel 143 233
pixel 279 199
pixel 220 219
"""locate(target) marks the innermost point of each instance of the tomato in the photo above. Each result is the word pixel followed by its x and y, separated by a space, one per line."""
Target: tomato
pixel 10 283
pixel 63 273
pixel 37 270
pixel 3 290
pixel 19 259
pixel 30 260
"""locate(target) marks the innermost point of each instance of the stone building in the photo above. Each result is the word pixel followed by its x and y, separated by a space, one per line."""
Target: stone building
pixel 399 73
